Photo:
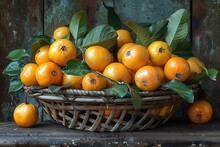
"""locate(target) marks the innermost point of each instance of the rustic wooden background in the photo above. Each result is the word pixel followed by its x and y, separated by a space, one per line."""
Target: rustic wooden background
pixel 21 19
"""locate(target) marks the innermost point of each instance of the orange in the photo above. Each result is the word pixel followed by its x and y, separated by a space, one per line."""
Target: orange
pixel 118 72
pixel 147 78
pixel 135 57
pixel 122 49
pixel 74 81
pixel 124 37
pixel 42 55
pixel 27 74
pixel 132 72
pixel 197 60
pixel 161 74
pixel 91 81
pixel 115 113
pixel 61 51
pixel 177 68
pixel 159 52
pixel 48 74
pixel 200 112
pixel 25 115
pixel 98 57
pixel 61 32
pixel 162 111
pixel 195 69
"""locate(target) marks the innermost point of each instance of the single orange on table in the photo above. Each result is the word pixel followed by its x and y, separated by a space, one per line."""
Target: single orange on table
pixel 200 112
pixel 27 74
pixel 25 115
pixel 49 73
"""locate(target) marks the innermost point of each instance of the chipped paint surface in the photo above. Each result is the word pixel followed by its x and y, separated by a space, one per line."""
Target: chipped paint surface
pixel 206 45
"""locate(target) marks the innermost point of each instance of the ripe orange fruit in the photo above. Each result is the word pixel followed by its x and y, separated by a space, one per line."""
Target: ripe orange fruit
pixel 91 81
pixel 49 73
pixel 161 74
pixel 61 32
pixel 159 52
pixel 75 81
pixel 162 111
pixel 25 115
pixel 118 72
pixel 61 51
pixel 124 37
pixel 122 49
pixel 197 60
pixel 147 78
pixel 116 113
pixel 98 57
pixel 27 74
pixel 177 68
pixel 135 57
pixel 42 55
pixel 200 112
pixel 195 69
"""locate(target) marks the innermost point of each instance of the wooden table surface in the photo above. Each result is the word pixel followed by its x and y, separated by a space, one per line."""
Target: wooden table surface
pixel 170 134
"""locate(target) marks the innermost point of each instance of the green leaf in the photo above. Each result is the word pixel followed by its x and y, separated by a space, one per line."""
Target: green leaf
pixel 54 88
pixel 181 89
pixel 103 35
pixel 158 30
pixel 141 32
pixel 184 54
pixel 13 68
pixel 15 85
pixel 177 29
pixel 212 74
pixel 185 45
pixel 17 54
pixel 46 38
pixel 76 67
pixel 119 90
pixel 78 25
pixel 113 18
pixel 136 99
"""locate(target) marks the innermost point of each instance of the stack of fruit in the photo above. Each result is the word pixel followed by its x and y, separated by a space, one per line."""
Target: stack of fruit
pixel 108 56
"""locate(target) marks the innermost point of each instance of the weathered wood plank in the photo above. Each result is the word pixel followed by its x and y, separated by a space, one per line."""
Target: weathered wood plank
pixel 206 44
pixel 178 134
pixel 19 20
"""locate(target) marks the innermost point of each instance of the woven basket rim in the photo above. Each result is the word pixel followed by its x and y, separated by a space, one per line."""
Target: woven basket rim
pixel 97 96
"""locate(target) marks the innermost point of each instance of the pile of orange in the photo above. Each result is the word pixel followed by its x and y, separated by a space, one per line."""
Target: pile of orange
pixel 145 67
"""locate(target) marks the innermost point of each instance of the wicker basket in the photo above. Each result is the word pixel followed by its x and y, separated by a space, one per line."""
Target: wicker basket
pixel 84 110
